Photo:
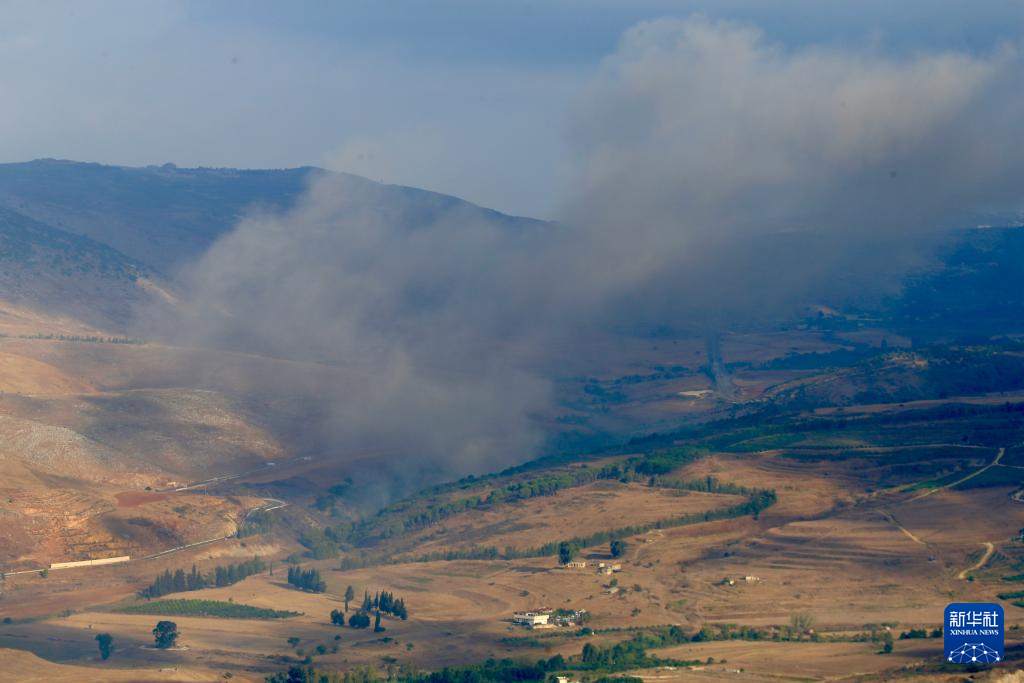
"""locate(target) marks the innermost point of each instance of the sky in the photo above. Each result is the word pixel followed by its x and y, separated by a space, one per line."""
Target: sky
pixel 480 99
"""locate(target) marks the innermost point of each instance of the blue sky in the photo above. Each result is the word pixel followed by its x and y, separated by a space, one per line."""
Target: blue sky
pixel 466 97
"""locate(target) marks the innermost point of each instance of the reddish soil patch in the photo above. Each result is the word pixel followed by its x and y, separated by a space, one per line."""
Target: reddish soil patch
pixel 130 499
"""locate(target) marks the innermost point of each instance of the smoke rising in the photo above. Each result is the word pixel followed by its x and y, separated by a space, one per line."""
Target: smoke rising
pixel 699 140
pixel 713 178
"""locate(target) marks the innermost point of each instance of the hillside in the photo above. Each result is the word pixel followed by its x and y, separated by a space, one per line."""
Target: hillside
pixel 59 273
pixel 934 372
pixel 854 542
pixel 826 456
pixel 165 216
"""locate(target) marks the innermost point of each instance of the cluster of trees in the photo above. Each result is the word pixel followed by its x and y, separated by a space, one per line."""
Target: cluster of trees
pixel 384 525
pixel 567 550
pixel 180 582
pixel 307 579
pixel 309 674
pixel 321 543
pixel 258 522
pixel 708 484
pixel 357 620
pixel 734 632
pixel 630 654
pixel 892 424
pixel 757 501
pixel 663 462
pixel 384 601
pixel 327 501
pixel 825 359
pixel 800 628
pixel 620 657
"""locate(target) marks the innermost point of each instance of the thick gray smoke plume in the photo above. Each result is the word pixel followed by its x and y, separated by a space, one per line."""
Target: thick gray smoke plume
pixel 713 167
pixel 713 177
pixel 413 316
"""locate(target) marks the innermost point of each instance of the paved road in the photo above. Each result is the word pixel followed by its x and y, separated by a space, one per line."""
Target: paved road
pixel 270 504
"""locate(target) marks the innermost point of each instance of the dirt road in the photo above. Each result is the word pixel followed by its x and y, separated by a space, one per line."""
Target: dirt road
pixel 995 461
pixel 989 549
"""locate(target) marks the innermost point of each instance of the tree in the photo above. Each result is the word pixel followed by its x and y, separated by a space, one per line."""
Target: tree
pixel 350 595
pixel 377 628
pixel 337 618
pixel 618 547
pixel 359 620
pixel 801 623
pixel 165 634
pixel 179 582
pixel 105 641
pixel 567 551
pixel 887 642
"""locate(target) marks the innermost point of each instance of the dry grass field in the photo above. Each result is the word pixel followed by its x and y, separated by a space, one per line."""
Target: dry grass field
pixel 575 512
pixel 871 560
pixel 27 668
pixel 858 538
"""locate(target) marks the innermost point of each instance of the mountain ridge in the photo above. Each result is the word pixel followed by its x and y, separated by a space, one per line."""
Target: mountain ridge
pixel 165 216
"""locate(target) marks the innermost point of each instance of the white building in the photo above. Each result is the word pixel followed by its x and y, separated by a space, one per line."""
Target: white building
pixel 531 619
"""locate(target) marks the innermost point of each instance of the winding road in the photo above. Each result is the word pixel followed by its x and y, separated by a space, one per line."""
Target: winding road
pixel 989 549
pixel 989 546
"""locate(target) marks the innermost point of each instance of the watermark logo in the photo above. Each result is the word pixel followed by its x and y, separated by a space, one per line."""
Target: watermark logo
pixel 973 632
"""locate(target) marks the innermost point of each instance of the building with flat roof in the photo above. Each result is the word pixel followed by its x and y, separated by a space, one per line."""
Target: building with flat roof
pixel 532 618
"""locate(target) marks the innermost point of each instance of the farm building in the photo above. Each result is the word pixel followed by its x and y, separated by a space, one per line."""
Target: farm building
pixel 532 618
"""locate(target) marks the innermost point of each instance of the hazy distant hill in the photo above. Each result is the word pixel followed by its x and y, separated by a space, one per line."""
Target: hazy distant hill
pixel 978 292
pixel 158 215
pixel 65 221
pixel 68 274
pixel 164 215
pixel 33 244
